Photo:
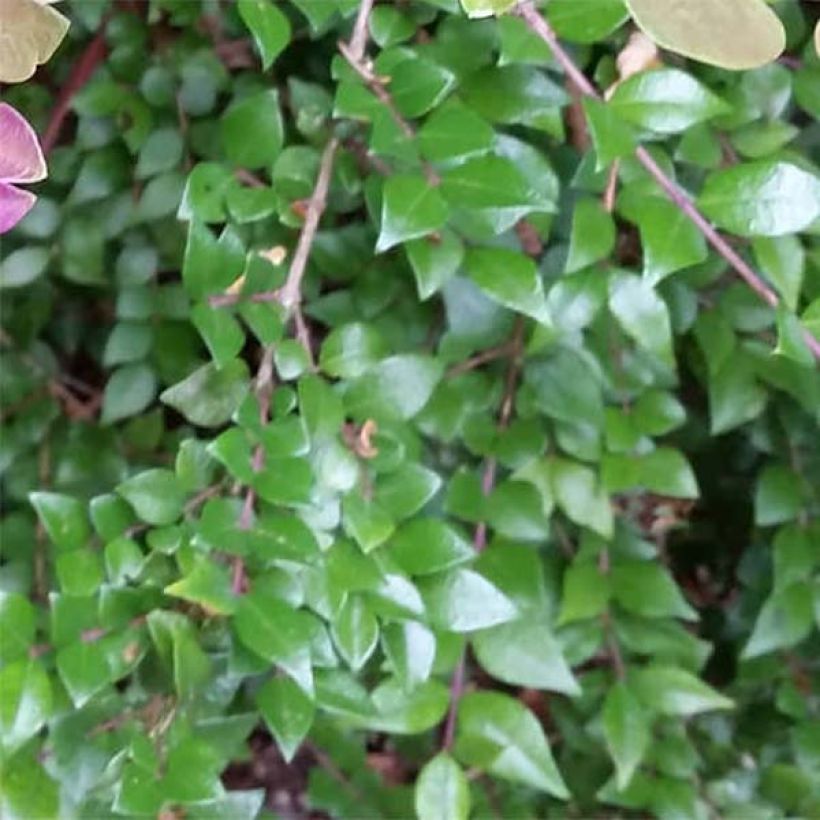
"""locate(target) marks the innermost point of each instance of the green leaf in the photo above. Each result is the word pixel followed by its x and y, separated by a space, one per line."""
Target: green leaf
pixel 79 571
pixel 408 712
pixel 566 387
pixel 486 8
pixel 355 632
pixel 211 394
pixel 664 471
pixel 268 25
pixel 210 265
pixel 786 618
pixel 593 235
pixel 63 517
pixel 411 208
pixel 389 26
pixel 672 691
pixel 270 627
pixel 581 496
pixel 454 132
pixel 291 359
pixel 647 589
pixel 156 496
pixel 766 198
pixel 442 791
pixel 427 545
pixel 612 137
pixel 17 626
pixel 626 731
pixel 252 131
pixel 525 653
pixel 791 341
pixel 27 790
pixel 735 396
pixel 25 702
pixel 778 496
pixel 435 260
pixel 642 314
pixel 288 712
pixel 365 521
pixel 670 240
pixel 665 100
pixel 22 267
pixel 350 350
pixel 586 23
pixel 733 34
pixel 516 510
pixel 207 585
pixel 128 392
pixel 516 94
pixel 509 278
pixel 783 261
pixel 462 601
pixel 418 85
pixel 397 387
pixel 221 332
pixel 404 492
pixel 586 592
pixel 492 184
pixel 84 671
pixel 410 647
pixel 498 733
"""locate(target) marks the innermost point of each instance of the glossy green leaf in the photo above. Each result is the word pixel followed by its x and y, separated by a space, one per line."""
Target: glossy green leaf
pixel 442 791
pixel 499 733
pixel 672 691
pixel 209 396
pixel 525 653
pixel 25 704
pixel 509 278
pixel 287 711
pixel 626 730
pixel 642 314
pixel 462 601
pixel 427 545
pixel 355 632
pixel 252 130
pixel 766 198
pixel 411 208
pixel 156 496
pixel 268 25
pixel 63 517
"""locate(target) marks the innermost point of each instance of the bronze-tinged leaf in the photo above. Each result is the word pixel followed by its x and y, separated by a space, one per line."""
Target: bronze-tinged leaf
pixel 734 34
pixel 29 34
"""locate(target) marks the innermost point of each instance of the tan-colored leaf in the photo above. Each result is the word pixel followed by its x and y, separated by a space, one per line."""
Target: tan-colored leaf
pixel 734 34
pixel 29 34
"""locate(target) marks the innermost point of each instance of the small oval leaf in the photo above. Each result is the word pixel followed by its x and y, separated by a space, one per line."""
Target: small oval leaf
pixel 734 34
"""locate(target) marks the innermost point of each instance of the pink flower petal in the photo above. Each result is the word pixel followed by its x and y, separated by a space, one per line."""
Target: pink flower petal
pixel 21 158
pixel 14 205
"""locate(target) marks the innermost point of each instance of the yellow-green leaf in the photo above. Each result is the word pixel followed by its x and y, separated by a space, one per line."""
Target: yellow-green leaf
pixel 734 34
pixel 29 34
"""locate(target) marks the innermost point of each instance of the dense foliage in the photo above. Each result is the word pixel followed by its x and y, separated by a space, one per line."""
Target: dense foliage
pixel 368 403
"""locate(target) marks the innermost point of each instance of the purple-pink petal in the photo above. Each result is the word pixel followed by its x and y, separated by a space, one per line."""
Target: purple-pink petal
pixel 21 158
pixel 14 205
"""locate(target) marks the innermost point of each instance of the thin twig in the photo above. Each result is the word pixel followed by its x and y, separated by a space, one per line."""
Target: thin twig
pixel 542 28
pixel 291 293
pixel 358 40
pixel 490 355
pixel 378 86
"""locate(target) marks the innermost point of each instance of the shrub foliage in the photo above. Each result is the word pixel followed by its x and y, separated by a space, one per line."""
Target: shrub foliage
pixel 380 394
